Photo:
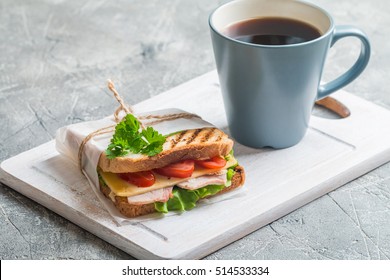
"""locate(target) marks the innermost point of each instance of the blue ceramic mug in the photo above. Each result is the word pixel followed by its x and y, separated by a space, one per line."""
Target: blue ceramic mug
pixel 269 90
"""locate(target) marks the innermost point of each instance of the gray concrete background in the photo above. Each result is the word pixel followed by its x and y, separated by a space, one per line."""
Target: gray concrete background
pixel 55 57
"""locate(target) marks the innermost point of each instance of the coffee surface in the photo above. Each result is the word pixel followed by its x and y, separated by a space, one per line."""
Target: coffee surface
pixel 272 31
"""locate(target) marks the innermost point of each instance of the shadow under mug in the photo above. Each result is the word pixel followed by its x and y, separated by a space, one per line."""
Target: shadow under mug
pixel 269 90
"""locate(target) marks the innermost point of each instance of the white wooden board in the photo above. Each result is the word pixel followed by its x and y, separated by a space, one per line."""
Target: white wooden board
pixel 278 181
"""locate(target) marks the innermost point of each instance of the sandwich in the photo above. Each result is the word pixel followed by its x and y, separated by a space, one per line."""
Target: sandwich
pixel 143 172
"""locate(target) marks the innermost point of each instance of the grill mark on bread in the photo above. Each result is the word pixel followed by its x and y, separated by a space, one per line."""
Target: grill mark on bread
pixel 177 139
pixel 218 136
pixel 207 135
pixel 215 135
pixel 193 136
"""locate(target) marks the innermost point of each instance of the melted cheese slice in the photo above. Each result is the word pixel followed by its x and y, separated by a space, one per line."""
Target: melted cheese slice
pixel 121 187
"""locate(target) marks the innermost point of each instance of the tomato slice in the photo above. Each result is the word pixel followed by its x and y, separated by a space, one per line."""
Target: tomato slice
pixel 141 179
pixel 212 163
pixel 181 169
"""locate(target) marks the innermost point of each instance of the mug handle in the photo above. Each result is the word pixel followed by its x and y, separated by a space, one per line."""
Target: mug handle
pixel 361 63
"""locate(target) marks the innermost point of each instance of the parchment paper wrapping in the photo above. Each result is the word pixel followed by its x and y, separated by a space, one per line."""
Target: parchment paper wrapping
pixel 69 138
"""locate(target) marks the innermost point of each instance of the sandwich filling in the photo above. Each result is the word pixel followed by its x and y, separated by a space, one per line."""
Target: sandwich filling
pixel 173 193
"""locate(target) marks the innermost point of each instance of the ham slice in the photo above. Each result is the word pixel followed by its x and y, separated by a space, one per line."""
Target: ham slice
pixel 161 195
pixel 200 182
pixel 164 194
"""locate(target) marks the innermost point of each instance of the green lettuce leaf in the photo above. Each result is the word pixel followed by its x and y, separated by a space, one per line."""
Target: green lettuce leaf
pixel 184 200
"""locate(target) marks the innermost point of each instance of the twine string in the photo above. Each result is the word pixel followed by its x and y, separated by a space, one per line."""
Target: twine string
pixel 127 109
pixel 167 117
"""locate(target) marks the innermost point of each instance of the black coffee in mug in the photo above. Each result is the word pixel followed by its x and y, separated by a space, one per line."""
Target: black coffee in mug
pixel 272 31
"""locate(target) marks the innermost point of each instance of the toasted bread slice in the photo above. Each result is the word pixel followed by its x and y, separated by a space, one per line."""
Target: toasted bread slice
pixel 131 210
pixel 191 144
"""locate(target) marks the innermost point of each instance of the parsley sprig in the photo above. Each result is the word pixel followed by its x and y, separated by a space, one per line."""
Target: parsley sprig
pixel 130 138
